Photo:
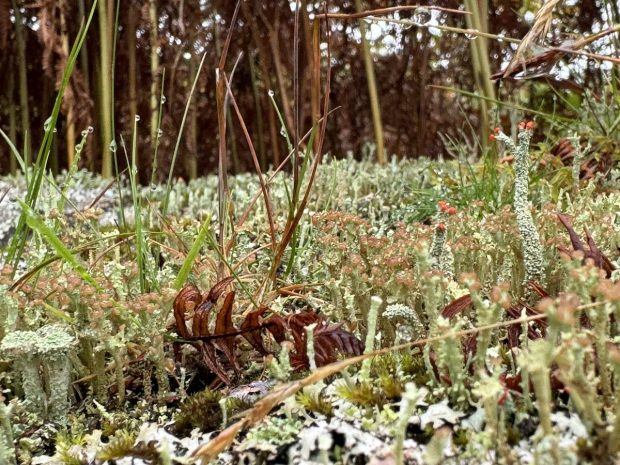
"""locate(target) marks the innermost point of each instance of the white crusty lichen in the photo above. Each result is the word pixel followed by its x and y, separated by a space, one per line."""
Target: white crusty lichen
pixel 532 247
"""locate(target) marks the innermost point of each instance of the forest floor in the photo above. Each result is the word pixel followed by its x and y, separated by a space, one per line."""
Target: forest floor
pixel 137 329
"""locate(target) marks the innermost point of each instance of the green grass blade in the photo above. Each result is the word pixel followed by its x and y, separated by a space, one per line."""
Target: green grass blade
pixel 188 263
pixel 15 153
pixel 36 224
pixel 18 241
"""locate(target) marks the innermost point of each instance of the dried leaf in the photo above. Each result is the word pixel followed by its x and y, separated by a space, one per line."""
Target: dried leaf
pixel 251 329
pixel 200 323
pixel 457 306
pixel 275 325
pixel 329 340
pixel 592 251
pixel 207 350
pixel 224 325
pixel 217 290
pixel 186 300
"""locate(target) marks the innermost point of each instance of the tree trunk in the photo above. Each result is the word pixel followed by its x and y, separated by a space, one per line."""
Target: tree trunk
pixel 12 118
pixel 24 112
pixel 70 116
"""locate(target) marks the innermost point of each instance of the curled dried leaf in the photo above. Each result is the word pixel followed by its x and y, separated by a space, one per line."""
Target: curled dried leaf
pixel 186 300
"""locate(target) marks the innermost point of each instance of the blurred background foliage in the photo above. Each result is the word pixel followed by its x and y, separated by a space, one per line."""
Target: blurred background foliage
pixel 167 38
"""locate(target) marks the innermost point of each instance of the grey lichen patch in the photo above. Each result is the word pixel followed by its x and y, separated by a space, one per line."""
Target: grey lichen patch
pixel 21 346
pixel 49 344
pixel 532 246
pixel 54 343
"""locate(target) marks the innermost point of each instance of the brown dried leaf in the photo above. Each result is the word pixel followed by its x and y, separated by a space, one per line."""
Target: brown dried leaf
pixel 275 325
pixel 224 325
pixel 331 339
pixel 574 237
pixel 186 300
pixel 592 251
pixel 200 324
pixel 217 290
pixel 251 329
pixel 457 306
pixel 207 350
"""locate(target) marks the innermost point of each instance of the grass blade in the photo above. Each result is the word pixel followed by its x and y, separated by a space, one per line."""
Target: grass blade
pixel 36 224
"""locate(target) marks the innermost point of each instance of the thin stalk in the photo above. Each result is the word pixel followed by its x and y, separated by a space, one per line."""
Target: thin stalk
pixel 22 63
pixel 154 35
pixel 164 209
pixel 482 68
pixel 137 208
pixel 258 112
pixel 105 89
pixel 162 100
pixel 372 89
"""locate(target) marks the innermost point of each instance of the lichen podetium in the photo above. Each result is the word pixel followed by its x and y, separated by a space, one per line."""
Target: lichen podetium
pixel 532 247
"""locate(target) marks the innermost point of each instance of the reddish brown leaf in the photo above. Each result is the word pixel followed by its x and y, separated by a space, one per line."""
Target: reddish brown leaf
pixel 592 252
pixel 275 325
pixel 574 237
pixel 207 350
pixel 217 290
pixel 331 339
pixel 538 289
pixel 224 325
pixel 186 300
pixel 456 307
pixel 600 260
pixel 200 324
pixel 252 329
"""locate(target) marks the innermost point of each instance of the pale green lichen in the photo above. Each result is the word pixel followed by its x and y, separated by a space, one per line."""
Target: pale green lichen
pixel 54 343
pixel 22 347
pixel 532 247
pixel 7 447
pixel 48 346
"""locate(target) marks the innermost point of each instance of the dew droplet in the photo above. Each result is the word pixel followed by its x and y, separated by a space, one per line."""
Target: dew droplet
pixel 47 123
pixel 160 133
pixel 78 148
pixel 422 15
pixel 55 131
pixel 84 133
pixel 283 132
pixel 471 34
pixel 153 186
pixel 271 93
pixel 112 146
pixel 501 37
pixel 163 99
pixel 137 118
pixel 90 129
